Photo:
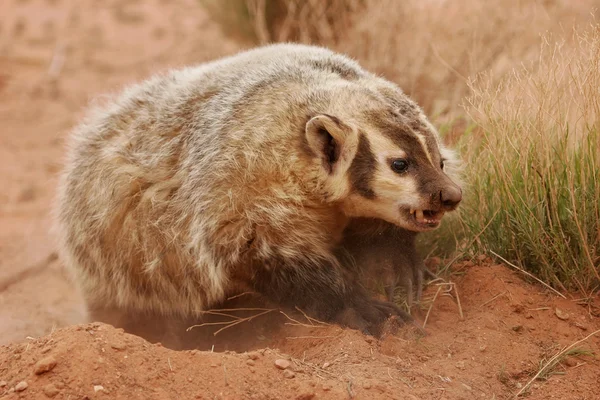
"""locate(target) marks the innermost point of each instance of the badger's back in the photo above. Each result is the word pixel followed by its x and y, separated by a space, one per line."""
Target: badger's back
pixel 153 176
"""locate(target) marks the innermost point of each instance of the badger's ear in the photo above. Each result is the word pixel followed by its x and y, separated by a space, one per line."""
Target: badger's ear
pixel 333 141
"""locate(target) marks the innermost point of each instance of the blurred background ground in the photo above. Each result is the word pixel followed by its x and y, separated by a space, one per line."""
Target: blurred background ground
pixel 56 55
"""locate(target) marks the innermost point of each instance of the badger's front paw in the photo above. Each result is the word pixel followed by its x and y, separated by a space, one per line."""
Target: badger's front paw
pixel 370 315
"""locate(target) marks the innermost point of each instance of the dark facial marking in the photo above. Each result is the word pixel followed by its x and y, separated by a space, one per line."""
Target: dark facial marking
pixel 362 168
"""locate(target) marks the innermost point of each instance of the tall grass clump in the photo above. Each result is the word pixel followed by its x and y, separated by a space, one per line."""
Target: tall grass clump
pixel 534 165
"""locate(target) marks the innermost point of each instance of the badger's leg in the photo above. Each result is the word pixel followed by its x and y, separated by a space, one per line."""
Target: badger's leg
pixel 325 291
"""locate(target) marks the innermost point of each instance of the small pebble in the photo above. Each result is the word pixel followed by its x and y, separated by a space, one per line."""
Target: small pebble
pixel 289 374
pixel 282 364
pixel 581 326
pixel 250 362
pixel 50 390
pixel 21 386
pixel 561 314
pixel 3 383
pixel 98 388
pixel 325 365
pixel 367 385
pixel 46 349
pixel 253 355
pixel 570 362
pixel 44 365
pixel 193 352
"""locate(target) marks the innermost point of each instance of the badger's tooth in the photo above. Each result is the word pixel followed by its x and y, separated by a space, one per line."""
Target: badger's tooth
pixel 419 215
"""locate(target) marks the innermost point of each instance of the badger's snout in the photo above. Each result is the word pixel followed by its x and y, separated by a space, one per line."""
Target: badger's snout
pixel 450 197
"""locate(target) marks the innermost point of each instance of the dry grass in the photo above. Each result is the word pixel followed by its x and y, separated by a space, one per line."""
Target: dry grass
pixel 534 166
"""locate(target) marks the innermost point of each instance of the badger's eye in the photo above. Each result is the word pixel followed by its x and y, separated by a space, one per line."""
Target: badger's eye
pixel 400 165
pixel 442 164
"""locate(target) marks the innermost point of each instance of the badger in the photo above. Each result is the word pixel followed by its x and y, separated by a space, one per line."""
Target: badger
pixel 242 174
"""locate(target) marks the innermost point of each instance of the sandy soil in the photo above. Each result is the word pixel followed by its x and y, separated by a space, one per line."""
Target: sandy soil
pixel 55 55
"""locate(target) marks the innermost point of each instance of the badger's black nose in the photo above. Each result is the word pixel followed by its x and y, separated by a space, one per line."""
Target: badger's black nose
pixel 450 197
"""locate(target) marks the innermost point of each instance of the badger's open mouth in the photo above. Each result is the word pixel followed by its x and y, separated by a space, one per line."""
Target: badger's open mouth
pixel 427 218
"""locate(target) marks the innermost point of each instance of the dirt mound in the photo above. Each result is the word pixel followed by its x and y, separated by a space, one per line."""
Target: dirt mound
pixel 508 331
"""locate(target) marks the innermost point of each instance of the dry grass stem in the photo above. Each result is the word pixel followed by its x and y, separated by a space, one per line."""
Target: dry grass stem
pixel 552 361
pixel 492 299
pixel 528 274
pixel 235 320
pixel 431 305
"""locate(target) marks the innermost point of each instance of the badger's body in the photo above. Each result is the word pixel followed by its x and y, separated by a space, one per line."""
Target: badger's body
pixel 241 174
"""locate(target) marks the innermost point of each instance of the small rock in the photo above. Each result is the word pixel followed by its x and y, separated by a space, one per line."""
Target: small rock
pixel 367 385
pixel 251 369
pixel 3 383
pixel 193 352
pixel 253 355
pixel 325 365
pixel 289 374
pixel 44 365
pixel 282 364
pixel 570 362
pixel 560 314
pixel 517 328
pixel 250 362
pixel 98 388
pixel 482 347
pixel 460 365
pixel 118 346
pixel 213 365
pixel 326 387
pixel 46 349
pixel 21 386
pixel 581 326
pixel 50 390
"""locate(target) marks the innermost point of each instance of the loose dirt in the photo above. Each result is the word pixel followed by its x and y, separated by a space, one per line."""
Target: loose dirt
pixel 55 55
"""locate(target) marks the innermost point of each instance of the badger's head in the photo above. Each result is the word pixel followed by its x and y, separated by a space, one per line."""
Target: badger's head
pixel 381 158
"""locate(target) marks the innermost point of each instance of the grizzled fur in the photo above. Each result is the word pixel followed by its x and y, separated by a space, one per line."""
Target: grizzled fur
pixel 241 174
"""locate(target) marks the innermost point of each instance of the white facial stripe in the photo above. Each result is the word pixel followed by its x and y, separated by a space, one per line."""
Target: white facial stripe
pixel 384 149
pixel 423 142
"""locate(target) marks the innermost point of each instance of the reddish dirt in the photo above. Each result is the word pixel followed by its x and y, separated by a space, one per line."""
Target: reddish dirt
pixel 509 327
